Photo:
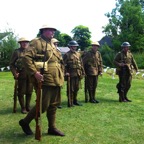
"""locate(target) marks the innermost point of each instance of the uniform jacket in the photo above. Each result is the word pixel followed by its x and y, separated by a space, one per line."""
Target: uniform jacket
pixel 16 64
pixel 92 63
pixel 73 64
pixel 127 59
pixel 44 52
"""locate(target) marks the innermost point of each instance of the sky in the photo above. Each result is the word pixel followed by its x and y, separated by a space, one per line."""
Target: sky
pixel 26 17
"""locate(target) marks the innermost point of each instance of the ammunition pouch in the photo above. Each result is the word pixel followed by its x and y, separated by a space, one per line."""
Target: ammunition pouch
pixel 41 65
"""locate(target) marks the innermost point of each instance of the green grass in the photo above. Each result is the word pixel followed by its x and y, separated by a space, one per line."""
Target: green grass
pixel 108 122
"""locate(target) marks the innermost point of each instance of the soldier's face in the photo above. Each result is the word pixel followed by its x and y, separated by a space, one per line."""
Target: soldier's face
pixel 24 44
pixel 49 33
pixel 73 48
pixel 125 49
pixel 95 48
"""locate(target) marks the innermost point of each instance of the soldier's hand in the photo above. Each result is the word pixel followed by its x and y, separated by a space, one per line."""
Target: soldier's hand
pixel 16 75
pixel 122 64
pixel 100 73
pixel 38 76
pixel 67 74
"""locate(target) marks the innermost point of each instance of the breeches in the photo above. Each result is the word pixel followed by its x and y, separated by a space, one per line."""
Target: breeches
pixel 50 101
pixel 124 84
pixel 92 82
pixel 25 87
pixel 74 84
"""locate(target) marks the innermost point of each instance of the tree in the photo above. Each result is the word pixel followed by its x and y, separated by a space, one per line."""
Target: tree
pixel 107 55
pixel 126 23
pixel 7 47
pixel 65 38
pixel 82 35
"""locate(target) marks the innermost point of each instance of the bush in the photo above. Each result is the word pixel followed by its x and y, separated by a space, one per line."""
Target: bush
pixel 139 57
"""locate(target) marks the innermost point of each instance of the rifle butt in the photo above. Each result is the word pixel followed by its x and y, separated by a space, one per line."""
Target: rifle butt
pixel 15 96
pixel 86 90
pixel 38 133
pixel 68 91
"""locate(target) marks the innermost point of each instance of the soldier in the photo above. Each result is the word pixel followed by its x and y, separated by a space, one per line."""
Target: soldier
pixel 49 72
pixel 93 66
pixel 74 69
pixel 25 86
pixel 125 64
pixel 55 42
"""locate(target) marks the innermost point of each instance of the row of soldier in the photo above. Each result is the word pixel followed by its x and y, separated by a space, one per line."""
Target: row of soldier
pixel 41 61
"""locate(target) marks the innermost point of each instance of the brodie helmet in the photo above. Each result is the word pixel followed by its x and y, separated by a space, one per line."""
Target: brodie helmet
pixel 73 43
pixel 125 44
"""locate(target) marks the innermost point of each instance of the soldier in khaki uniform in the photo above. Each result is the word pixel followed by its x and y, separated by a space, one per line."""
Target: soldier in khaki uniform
pixel 93 66
pixel 25 87
pixel 74 69
pixel 43 56
pixel 125 64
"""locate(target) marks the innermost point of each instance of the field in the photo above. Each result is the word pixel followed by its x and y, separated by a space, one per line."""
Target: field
pixel 109 122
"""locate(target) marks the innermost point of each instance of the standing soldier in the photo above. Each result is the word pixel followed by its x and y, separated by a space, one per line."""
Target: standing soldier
pixel 125 64
pixel 25 87
pixel 93 66
pixel 73 69
pixel 44 64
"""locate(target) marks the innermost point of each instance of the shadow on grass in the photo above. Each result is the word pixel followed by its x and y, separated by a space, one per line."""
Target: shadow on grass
pixel 108 100
pixel 9 110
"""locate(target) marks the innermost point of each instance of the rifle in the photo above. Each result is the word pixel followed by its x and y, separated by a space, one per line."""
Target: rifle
pixel 68 91
pixel 86 90
pixel 15 96
pixel 38 132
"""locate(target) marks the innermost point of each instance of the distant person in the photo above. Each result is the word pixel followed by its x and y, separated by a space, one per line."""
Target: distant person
pixel 125 64
pixel 93 66
pixel 44 64
pixel 25 86
pixel 73 69
pixel 55 42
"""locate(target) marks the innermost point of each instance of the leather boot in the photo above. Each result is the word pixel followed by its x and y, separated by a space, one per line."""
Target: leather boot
pixel 52 130
pixel 21 102
pixel 25 127
pixel 94 97
pixel 125 96
pixel 90 96
pixel 28 99
pixel 75 102
pixel 55 131
pixel 121 97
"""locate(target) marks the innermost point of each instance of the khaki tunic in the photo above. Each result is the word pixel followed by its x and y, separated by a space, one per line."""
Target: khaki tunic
pixel 73 64
pixel 126 59
pixel 92 62
pixel 50 58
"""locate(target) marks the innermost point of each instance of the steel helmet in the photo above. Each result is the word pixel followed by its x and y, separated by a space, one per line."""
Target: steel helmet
pixel 47 27
pixel 73 43
pixel 54 40
pixel 22 39
pixel 95 43
pixel 125 44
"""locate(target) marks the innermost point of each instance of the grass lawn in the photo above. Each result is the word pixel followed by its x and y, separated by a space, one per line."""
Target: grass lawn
pixel 109 122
